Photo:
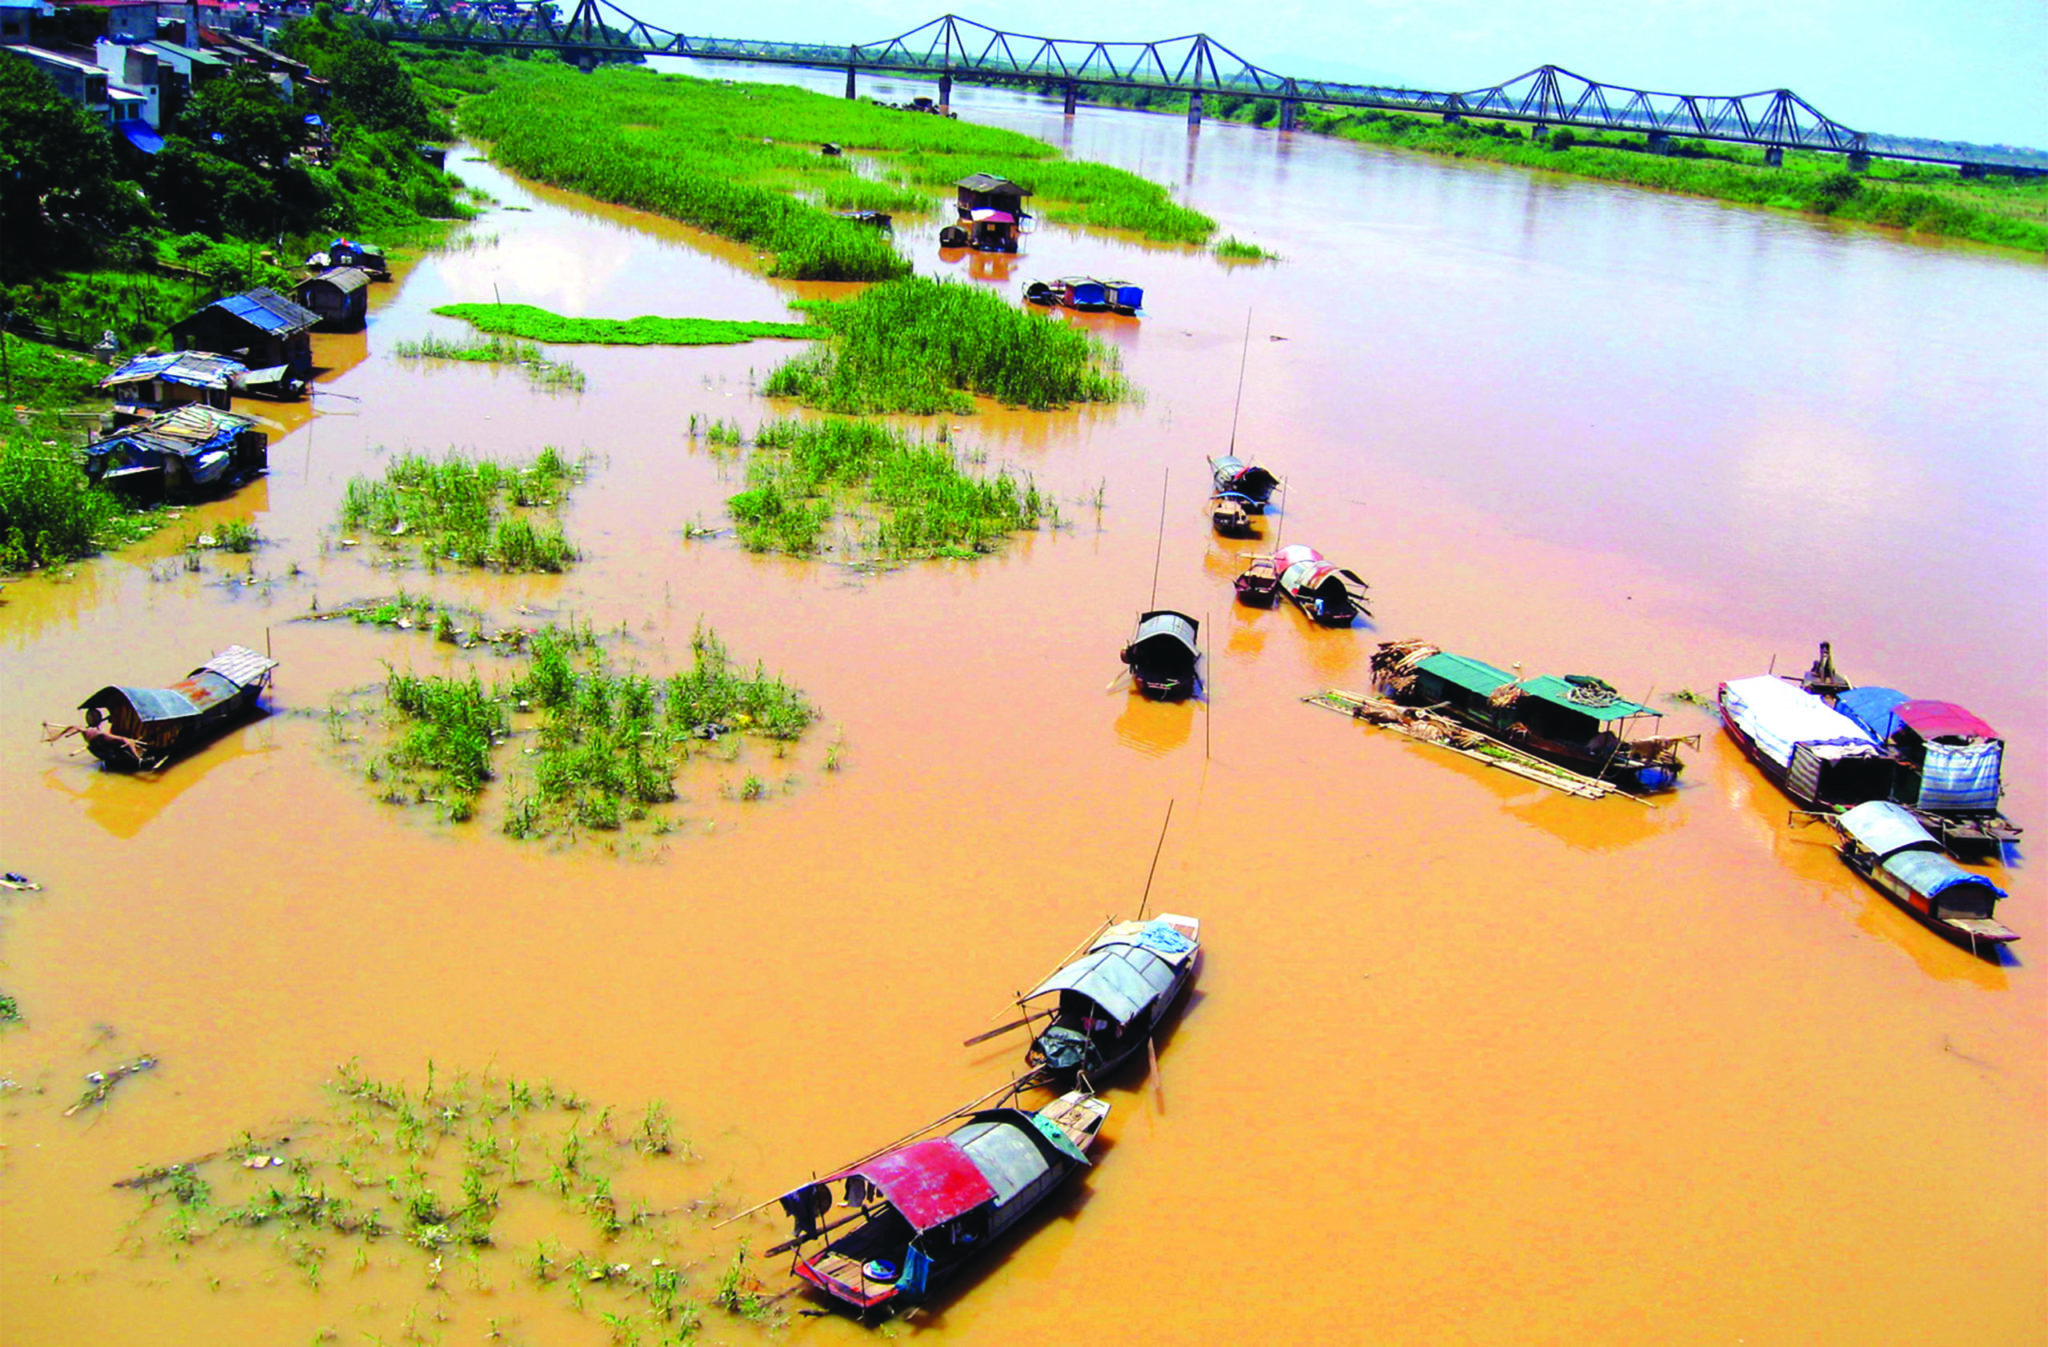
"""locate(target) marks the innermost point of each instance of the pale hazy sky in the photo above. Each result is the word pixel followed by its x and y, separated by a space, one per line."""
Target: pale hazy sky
pixel 1963 69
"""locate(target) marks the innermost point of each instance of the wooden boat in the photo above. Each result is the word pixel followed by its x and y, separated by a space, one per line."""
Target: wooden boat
pixel 1884 842
pixel 1953 763
pixel 877 218
pixel 1817 755
pixel 1326 593
pixel 918 1212
pixel 1122 296
pixel 1112 999
pixel 135 729
pixel 1084 294
pixel 1227 513
pixel 1258 586
pixel 1577 720
pixel 1163 655
pixel 1234 476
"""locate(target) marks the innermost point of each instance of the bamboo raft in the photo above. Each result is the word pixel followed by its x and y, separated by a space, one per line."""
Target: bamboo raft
pixel 1430 727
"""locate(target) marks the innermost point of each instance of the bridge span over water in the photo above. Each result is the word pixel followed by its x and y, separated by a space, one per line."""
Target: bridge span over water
pixel 1196 65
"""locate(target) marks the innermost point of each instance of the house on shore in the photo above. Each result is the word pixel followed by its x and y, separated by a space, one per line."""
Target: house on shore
pixel 260 328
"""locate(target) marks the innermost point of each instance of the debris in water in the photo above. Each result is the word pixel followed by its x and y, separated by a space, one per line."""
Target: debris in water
pixel 14 879
pixel 100 1084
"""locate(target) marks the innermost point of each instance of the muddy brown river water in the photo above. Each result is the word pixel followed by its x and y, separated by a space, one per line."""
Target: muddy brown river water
pixel 1467 1062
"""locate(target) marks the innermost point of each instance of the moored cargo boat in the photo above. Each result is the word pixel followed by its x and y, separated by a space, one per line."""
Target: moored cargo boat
pixel 1113 998
pixel 1952 777
pixel 1578 721
pixel 1884 842
pixel 1250 482
pixel 1817 755
pixel 918 1212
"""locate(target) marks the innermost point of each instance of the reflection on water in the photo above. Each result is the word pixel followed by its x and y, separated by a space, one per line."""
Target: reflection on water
pixel 1154 728
pixel 124 803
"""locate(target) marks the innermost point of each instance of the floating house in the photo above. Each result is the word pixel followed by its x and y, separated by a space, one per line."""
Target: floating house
pixel 179 453
pixel 140 729
pixel 261 327
pixel 1954 762
pixel 1164 654
pixel 1817 755
pixel 992 214
pixel 149 384
pixel 340 295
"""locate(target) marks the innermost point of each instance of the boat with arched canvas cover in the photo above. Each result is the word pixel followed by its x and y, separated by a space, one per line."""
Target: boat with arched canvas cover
pixel 1112 998
pixel 1255 484
pixel 1883 842
pixel 1328 594
pixel 1163 655
pixel 139 729
pixel 917 1212
pixel 1815 754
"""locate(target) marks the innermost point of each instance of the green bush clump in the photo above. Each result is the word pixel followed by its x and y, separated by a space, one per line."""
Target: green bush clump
pixel 49 512
pixel 913 497
pixel 443 755
pixel 922 346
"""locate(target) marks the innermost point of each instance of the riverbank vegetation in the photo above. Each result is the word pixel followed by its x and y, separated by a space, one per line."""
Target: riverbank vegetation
pixel 416 1204
pixel 527 322
pixel 49 511
pixel 923 346
pixel 472 512
pixel 893 498
pixel 744 160
pixel 603 747
pixel 1928 199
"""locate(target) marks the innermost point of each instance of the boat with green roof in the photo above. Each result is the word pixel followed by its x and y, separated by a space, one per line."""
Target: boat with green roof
pixel 1576 720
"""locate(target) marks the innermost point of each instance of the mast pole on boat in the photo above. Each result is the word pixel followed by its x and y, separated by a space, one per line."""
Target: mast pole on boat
pixel 1244 354
pixel 1159 847
pixel 1159 547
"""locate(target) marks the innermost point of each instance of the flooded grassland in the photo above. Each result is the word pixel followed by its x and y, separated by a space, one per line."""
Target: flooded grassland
pixel 1467 1061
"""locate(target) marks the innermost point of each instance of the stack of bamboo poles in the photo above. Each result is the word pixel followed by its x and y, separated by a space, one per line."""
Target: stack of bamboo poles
pixel 1430 727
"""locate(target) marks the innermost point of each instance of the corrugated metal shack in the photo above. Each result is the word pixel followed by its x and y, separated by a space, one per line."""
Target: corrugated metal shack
pixel 153 383
pixel 261 328
pixel 340 295
pixel 182 452
pixel 991 213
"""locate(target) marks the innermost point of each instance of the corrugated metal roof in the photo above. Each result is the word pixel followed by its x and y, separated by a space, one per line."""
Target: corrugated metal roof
pixel 1122 979
pixel 195 369
pixel 239 665
pixel 269 311
pixel 1885 828
pixel 929 1182
pixel 989 183
pixel 1008 1159
pixel 151 704
pixel 1166 625
pixel 348 280
pixel 1558 691
pixel 1465 672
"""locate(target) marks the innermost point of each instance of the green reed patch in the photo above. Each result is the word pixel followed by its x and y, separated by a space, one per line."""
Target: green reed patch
pixel 446 729
pixel 536 324
pixel 908 498
pixel 463 1187
pixel 609 744
pixel 1236 249
pixel 49 512
pixel 552 375
pixel 467 511
pixel 923 346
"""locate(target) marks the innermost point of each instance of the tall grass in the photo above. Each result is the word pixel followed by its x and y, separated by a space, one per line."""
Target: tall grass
pixel 460 509
pixel 537 324
pixel 496 350
pixel 922 346
pixel 49 512
pixel 909 498
pixel 443 753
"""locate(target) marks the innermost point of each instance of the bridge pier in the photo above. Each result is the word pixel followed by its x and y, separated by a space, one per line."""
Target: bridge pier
pixel 1290 113
pixel 851 90
pixel 1072 98
pixel 1453 118
pixel 1657 142
pixel 946 92
pixel 1774 156
pixel 1971 171
pixel 1538 130
pixel 1195 108
pixel 1859 163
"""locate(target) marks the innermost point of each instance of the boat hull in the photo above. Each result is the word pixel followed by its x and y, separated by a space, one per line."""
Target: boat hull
pixel 1980 935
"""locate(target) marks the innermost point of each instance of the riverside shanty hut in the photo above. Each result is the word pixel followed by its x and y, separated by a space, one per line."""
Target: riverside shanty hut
pixel 154 383
pixel 261 327
pixel 179 453
pixel 140 729
pixel 340 295
pixel 991 214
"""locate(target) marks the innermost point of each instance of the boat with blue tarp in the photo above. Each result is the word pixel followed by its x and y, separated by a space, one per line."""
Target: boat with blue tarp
pixel 1577 720
pixel 1885 843
pixel 915 1213
pixel 189 451
pixel 1113 998
pixel 1816 754
pixel 1952 778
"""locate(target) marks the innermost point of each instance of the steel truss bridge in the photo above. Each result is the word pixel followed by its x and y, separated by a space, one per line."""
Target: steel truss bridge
pixel 1196 65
